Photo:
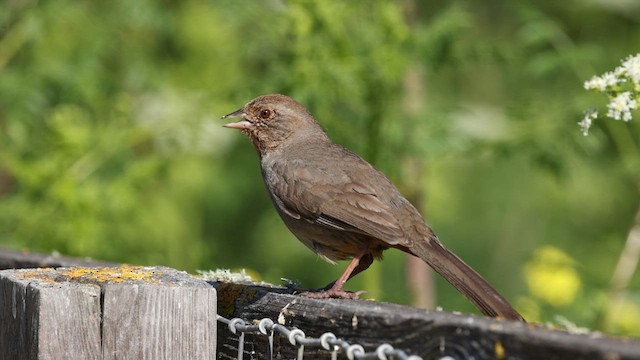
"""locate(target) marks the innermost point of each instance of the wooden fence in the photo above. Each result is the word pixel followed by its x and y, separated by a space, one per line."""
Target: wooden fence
pixel 74 310
pixel 124 312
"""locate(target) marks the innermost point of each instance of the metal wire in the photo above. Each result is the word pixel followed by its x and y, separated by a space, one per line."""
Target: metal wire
pixel 327 341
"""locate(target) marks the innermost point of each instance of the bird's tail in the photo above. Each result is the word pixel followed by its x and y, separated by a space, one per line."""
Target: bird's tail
pixel 465 279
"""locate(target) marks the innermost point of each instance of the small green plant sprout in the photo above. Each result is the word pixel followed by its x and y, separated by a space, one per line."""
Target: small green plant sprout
pixel 622 87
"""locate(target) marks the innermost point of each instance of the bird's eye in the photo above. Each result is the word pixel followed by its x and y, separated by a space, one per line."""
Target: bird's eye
pixel 265 114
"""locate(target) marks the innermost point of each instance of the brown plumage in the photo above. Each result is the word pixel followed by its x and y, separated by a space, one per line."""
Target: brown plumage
pixel 341 207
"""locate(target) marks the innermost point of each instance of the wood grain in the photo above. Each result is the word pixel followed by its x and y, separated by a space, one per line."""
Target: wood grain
pixel 430 334
pixel 47 320
pixel 159 322
pixel 106 313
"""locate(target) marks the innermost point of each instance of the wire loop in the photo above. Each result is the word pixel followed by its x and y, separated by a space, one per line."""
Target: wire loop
pixel 382 351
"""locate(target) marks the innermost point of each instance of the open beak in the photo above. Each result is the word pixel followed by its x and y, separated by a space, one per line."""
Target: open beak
pixel 240 125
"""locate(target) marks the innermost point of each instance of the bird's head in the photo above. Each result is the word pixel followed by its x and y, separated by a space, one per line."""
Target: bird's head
pixel 273 121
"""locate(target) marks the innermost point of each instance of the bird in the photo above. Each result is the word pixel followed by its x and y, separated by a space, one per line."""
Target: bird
pixel 343 208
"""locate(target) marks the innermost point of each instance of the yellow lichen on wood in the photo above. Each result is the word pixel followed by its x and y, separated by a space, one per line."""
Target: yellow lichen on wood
pixel 119 274
pixel 109 274
pixel 227 295
pixel 38 274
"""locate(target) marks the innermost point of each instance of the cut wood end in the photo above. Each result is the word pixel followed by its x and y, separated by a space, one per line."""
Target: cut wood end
pixel 109 274
pixel 124 273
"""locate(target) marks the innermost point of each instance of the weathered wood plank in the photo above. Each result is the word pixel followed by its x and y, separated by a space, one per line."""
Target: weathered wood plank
pixel 430 334
pixel 14 340
pixel 42 319
pixel 174 318
pixel 145 313
pixel 14 259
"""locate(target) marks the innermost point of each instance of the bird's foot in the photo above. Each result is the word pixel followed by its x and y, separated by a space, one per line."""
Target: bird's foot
pixel 333 294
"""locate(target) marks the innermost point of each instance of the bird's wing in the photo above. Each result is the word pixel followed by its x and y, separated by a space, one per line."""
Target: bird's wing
pixel 333 200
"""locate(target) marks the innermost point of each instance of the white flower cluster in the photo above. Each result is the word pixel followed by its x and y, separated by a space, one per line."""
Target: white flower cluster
pixel 620 106
pixel 631 68
pixel 622 86
pixel 601 83
pixel 586 122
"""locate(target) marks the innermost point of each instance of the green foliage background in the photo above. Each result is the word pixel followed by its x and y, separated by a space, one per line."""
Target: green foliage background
pixel 111 144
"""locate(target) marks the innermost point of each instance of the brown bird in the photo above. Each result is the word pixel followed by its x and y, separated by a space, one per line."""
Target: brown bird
pixel 341 207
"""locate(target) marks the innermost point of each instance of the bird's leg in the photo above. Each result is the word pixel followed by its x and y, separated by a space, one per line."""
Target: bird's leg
pixel 358 264
pixel 363 264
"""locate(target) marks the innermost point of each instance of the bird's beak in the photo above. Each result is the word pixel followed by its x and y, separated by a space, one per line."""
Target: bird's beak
pixel 240 125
